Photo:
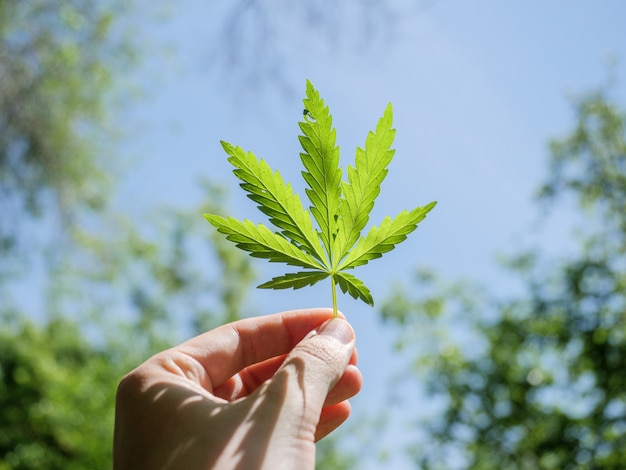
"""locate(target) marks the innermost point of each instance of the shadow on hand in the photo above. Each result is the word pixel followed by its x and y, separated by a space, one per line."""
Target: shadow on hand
pixel 173 425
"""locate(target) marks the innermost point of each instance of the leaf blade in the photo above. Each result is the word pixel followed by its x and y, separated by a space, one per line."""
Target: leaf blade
pixel 275 199
pixel 295 280
pixel 384 238
pixel 364 180
pixel 261 242
pixel 355 287
pixel 321 162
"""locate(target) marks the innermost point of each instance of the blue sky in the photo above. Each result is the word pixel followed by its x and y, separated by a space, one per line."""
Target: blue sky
pixel 477 88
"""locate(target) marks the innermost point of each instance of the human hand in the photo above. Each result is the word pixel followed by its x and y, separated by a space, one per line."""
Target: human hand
pixel 253 394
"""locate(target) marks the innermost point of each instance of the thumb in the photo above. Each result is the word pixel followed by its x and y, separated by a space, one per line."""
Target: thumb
pixel 309 372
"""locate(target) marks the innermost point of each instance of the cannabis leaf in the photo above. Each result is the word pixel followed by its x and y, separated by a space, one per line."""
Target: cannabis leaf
pixel 340 209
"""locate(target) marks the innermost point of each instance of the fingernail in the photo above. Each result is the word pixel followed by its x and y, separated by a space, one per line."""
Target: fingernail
pixel 338 329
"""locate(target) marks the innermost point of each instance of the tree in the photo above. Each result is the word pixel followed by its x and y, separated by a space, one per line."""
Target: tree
pixel 54 410
pixel 59 63
pixel 538 381
pixel 261 35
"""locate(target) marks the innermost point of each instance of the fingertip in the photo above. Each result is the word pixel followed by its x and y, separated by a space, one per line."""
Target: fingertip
pixel 348 386
pixel 356 381
pixel 331 418
pixel 354 359
pixel 338 329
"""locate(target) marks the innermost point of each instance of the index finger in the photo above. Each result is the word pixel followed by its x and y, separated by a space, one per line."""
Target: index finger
pixel 226 350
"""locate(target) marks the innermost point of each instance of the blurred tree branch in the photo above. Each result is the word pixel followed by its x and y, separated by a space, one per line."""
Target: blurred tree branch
pixel 257 41
pixel 59 65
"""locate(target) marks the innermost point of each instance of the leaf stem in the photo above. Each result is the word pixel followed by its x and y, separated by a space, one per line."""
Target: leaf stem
pixel 334 294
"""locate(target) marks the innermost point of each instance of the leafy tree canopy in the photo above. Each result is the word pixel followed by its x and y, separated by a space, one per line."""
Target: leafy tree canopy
pixel 59 62
pixel 539 380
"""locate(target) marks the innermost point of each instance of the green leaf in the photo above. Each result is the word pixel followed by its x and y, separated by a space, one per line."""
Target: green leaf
pixel 275 199
pixel 321 161
pixel 382 239
pixel 295 280
pixel 355 287
pixel 261 242
pixel 340 209
pixel 364 180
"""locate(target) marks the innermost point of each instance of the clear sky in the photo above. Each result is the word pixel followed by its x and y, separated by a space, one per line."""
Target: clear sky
pixel 478 87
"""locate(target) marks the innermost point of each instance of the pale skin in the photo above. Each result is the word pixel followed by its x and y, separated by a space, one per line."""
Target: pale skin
pixel 253 394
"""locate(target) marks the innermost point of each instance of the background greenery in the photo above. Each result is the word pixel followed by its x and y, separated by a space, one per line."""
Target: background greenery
pixel 542 384
pixel 531 380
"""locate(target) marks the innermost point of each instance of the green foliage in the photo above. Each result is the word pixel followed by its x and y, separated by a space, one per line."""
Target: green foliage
pixel 60 62
pixel 56 397
pixel 590 163
pixel 539 380
pixel 340 208
pixel 330 457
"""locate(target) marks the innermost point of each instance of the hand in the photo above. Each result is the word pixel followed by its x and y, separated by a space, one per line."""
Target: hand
pixel 253 394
